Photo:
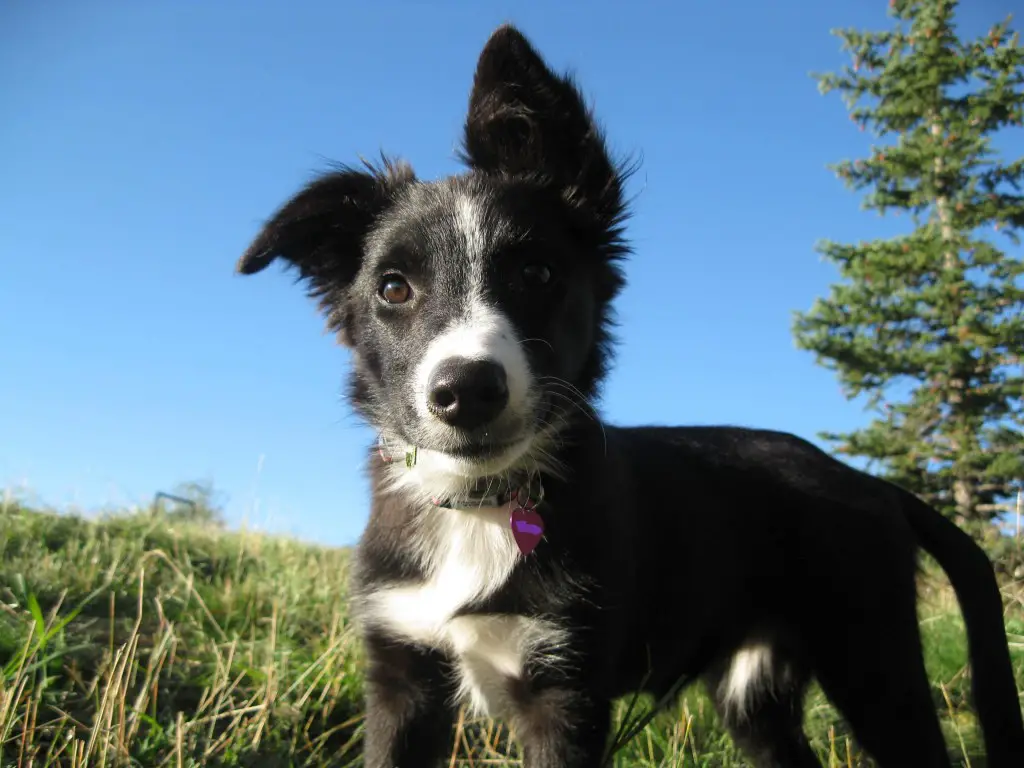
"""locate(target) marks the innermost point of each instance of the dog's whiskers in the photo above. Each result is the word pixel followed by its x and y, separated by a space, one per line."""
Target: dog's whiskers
pixel 523 342
pixel 557 380
pixel 583 407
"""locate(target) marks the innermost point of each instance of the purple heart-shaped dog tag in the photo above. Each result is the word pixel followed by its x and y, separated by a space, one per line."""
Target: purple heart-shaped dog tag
pixel 527 528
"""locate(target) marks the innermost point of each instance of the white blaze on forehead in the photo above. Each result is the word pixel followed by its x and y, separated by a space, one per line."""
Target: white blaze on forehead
pixel 469 218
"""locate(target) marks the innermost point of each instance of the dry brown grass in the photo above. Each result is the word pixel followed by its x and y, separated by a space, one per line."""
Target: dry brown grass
pixel 141 641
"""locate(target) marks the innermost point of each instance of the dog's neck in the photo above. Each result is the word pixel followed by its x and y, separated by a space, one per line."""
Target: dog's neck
pixel 488 491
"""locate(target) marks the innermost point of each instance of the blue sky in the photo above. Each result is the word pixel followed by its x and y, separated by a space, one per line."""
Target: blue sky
pixel 143 143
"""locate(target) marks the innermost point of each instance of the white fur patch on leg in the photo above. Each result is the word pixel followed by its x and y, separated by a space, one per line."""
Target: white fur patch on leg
pixel 492 651
pixel 750 671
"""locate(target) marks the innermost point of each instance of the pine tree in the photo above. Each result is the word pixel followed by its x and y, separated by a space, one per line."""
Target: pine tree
pixel 929 326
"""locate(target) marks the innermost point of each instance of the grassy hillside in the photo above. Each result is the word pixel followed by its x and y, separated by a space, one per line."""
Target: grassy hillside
pixel 144 640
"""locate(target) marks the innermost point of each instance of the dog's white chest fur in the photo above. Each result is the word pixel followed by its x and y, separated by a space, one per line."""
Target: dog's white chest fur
pixel 468 557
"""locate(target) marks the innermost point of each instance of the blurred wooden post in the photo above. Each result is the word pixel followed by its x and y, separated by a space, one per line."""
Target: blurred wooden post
pixel 1020 508
pixel 171 497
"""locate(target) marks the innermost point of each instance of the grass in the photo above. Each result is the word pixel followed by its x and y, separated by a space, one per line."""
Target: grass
pixel 140 639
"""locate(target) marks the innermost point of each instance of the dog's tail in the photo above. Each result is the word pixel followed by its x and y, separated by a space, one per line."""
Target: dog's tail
pixel 970 571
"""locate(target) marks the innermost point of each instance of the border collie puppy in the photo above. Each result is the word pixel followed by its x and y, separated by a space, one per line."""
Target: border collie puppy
pixel 529 561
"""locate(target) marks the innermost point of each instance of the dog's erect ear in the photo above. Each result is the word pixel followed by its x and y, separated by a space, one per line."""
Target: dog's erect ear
pixel 525 119
pixel 321 231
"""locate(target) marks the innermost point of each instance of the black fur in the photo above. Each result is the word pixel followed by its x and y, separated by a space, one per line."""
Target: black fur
pixel 667 550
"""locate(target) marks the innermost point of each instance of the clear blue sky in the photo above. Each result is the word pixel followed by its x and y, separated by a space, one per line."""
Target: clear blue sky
pixel 142 143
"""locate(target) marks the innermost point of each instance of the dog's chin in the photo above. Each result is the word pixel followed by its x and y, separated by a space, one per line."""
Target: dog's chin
pixel 476 460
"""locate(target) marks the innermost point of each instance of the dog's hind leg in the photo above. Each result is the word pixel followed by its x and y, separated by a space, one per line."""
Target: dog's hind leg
pixel 884 695
pixel 876 676
pixel 759 698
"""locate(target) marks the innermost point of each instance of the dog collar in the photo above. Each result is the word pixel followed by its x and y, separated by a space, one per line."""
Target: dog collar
pixel 522 490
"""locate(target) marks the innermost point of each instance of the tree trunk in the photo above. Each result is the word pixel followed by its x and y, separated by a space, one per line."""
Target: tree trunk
pixel 964 494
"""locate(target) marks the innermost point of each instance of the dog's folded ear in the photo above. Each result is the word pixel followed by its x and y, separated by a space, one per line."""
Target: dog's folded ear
pixel 525 119
pixel 322 231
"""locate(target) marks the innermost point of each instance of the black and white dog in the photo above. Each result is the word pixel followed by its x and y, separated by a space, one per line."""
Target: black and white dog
pixel 534 563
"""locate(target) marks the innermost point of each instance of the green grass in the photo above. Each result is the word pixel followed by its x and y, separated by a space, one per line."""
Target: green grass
pixel 139 639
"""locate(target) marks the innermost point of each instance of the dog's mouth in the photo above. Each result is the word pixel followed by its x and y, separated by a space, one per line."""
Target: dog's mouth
pixel 481 451
pixel 512 443
pixel 484 451
pixel 510 437
pixel 456 465
pixel 469 457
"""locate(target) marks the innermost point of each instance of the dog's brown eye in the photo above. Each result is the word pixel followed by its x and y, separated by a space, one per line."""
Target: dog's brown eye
pixel 394 290
pixel 536 274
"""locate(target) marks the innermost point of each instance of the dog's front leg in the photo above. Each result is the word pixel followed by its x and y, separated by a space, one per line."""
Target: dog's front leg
pixel 409 717
pixel 561 726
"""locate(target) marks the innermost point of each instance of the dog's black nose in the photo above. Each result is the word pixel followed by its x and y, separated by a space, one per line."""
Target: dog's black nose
pixel 467 393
